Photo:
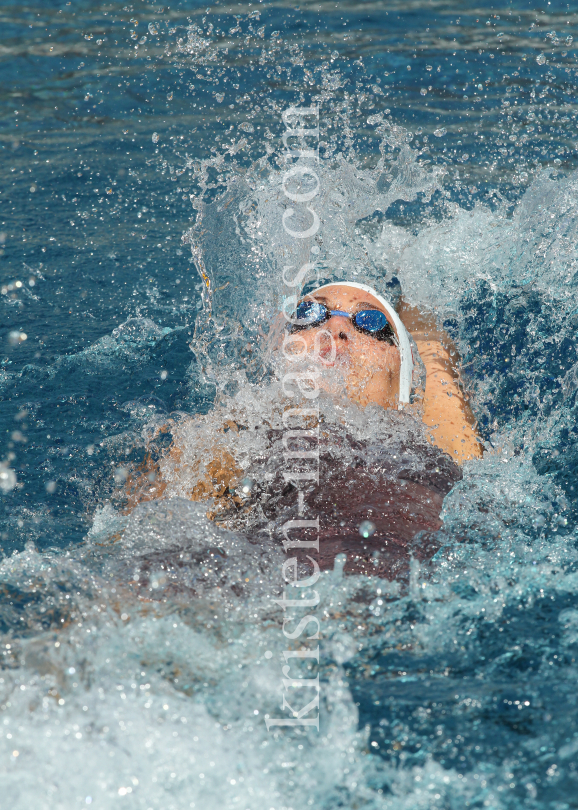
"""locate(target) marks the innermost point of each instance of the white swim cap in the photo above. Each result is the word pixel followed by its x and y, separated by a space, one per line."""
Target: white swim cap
pixel 405 350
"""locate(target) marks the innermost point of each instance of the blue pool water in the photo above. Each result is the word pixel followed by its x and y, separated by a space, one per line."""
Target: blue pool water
pixel 118 126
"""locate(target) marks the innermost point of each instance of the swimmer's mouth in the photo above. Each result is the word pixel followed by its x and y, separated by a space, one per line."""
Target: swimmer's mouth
pixel 332 356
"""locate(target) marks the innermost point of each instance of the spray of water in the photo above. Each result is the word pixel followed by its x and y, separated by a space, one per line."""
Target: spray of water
pixel 153 652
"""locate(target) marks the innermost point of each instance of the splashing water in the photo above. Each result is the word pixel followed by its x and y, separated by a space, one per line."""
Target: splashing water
pixel 139 664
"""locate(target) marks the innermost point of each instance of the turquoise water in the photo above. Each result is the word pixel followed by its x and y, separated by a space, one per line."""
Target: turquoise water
pixel 118 126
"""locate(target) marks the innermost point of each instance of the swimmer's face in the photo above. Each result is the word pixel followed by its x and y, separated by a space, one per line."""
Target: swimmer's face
pixel 371 367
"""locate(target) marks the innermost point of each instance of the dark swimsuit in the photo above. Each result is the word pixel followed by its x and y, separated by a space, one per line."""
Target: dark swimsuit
pixel 398 486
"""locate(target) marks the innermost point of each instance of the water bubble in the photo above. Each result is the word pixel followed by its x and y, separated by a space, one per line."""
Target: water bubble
pixel 157 580
pixel 423 91
pixel 120 475
pixel 219 97
pixel 439 133
pixel 245 487
pixel 338 565
pixel 366 528
pixel 153 29
pixel 343 648
pixel 541 59
pixel 16 337
pixel 7 478
pixel 155 137
pixel 51 487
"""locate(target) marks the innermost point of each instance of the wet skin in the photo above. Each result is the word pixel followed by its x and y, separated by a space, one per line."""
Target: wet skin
pixel 370 370
pixel 371 367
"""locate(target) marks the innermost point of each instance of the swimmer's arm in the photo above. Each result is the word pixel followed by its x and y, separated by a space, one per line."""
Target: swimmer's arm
pixel 446 411
pixel 216 480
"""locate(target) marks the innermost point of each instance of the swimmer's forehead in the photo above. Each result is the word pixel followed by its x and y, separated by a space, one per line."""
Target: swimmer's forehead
pixel 359 299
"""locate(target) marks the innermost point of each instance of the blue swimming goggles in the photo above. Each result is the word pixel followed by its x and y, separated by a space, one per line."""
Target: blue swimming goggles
pixel 369 321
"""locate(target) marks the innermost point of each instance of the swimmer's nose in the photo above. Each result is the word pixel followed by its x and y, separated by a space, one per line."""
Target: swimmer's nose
pixel 339 327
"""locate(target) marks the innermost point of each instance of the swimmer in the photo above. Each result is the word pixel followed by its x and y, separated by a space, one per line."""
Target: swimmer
pixel 395 488
pixel 370 348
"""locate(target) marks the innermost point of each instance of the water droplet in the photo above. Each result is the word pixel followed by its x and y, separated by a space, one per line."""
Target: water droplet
pixel 120 475
pixel 423 91
pixel 155 137
pixel 15 338
pixel 153 29
pixel 439 133
pixel 366 528
pixel 245 487
pixel 7 478
pixel 541 59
